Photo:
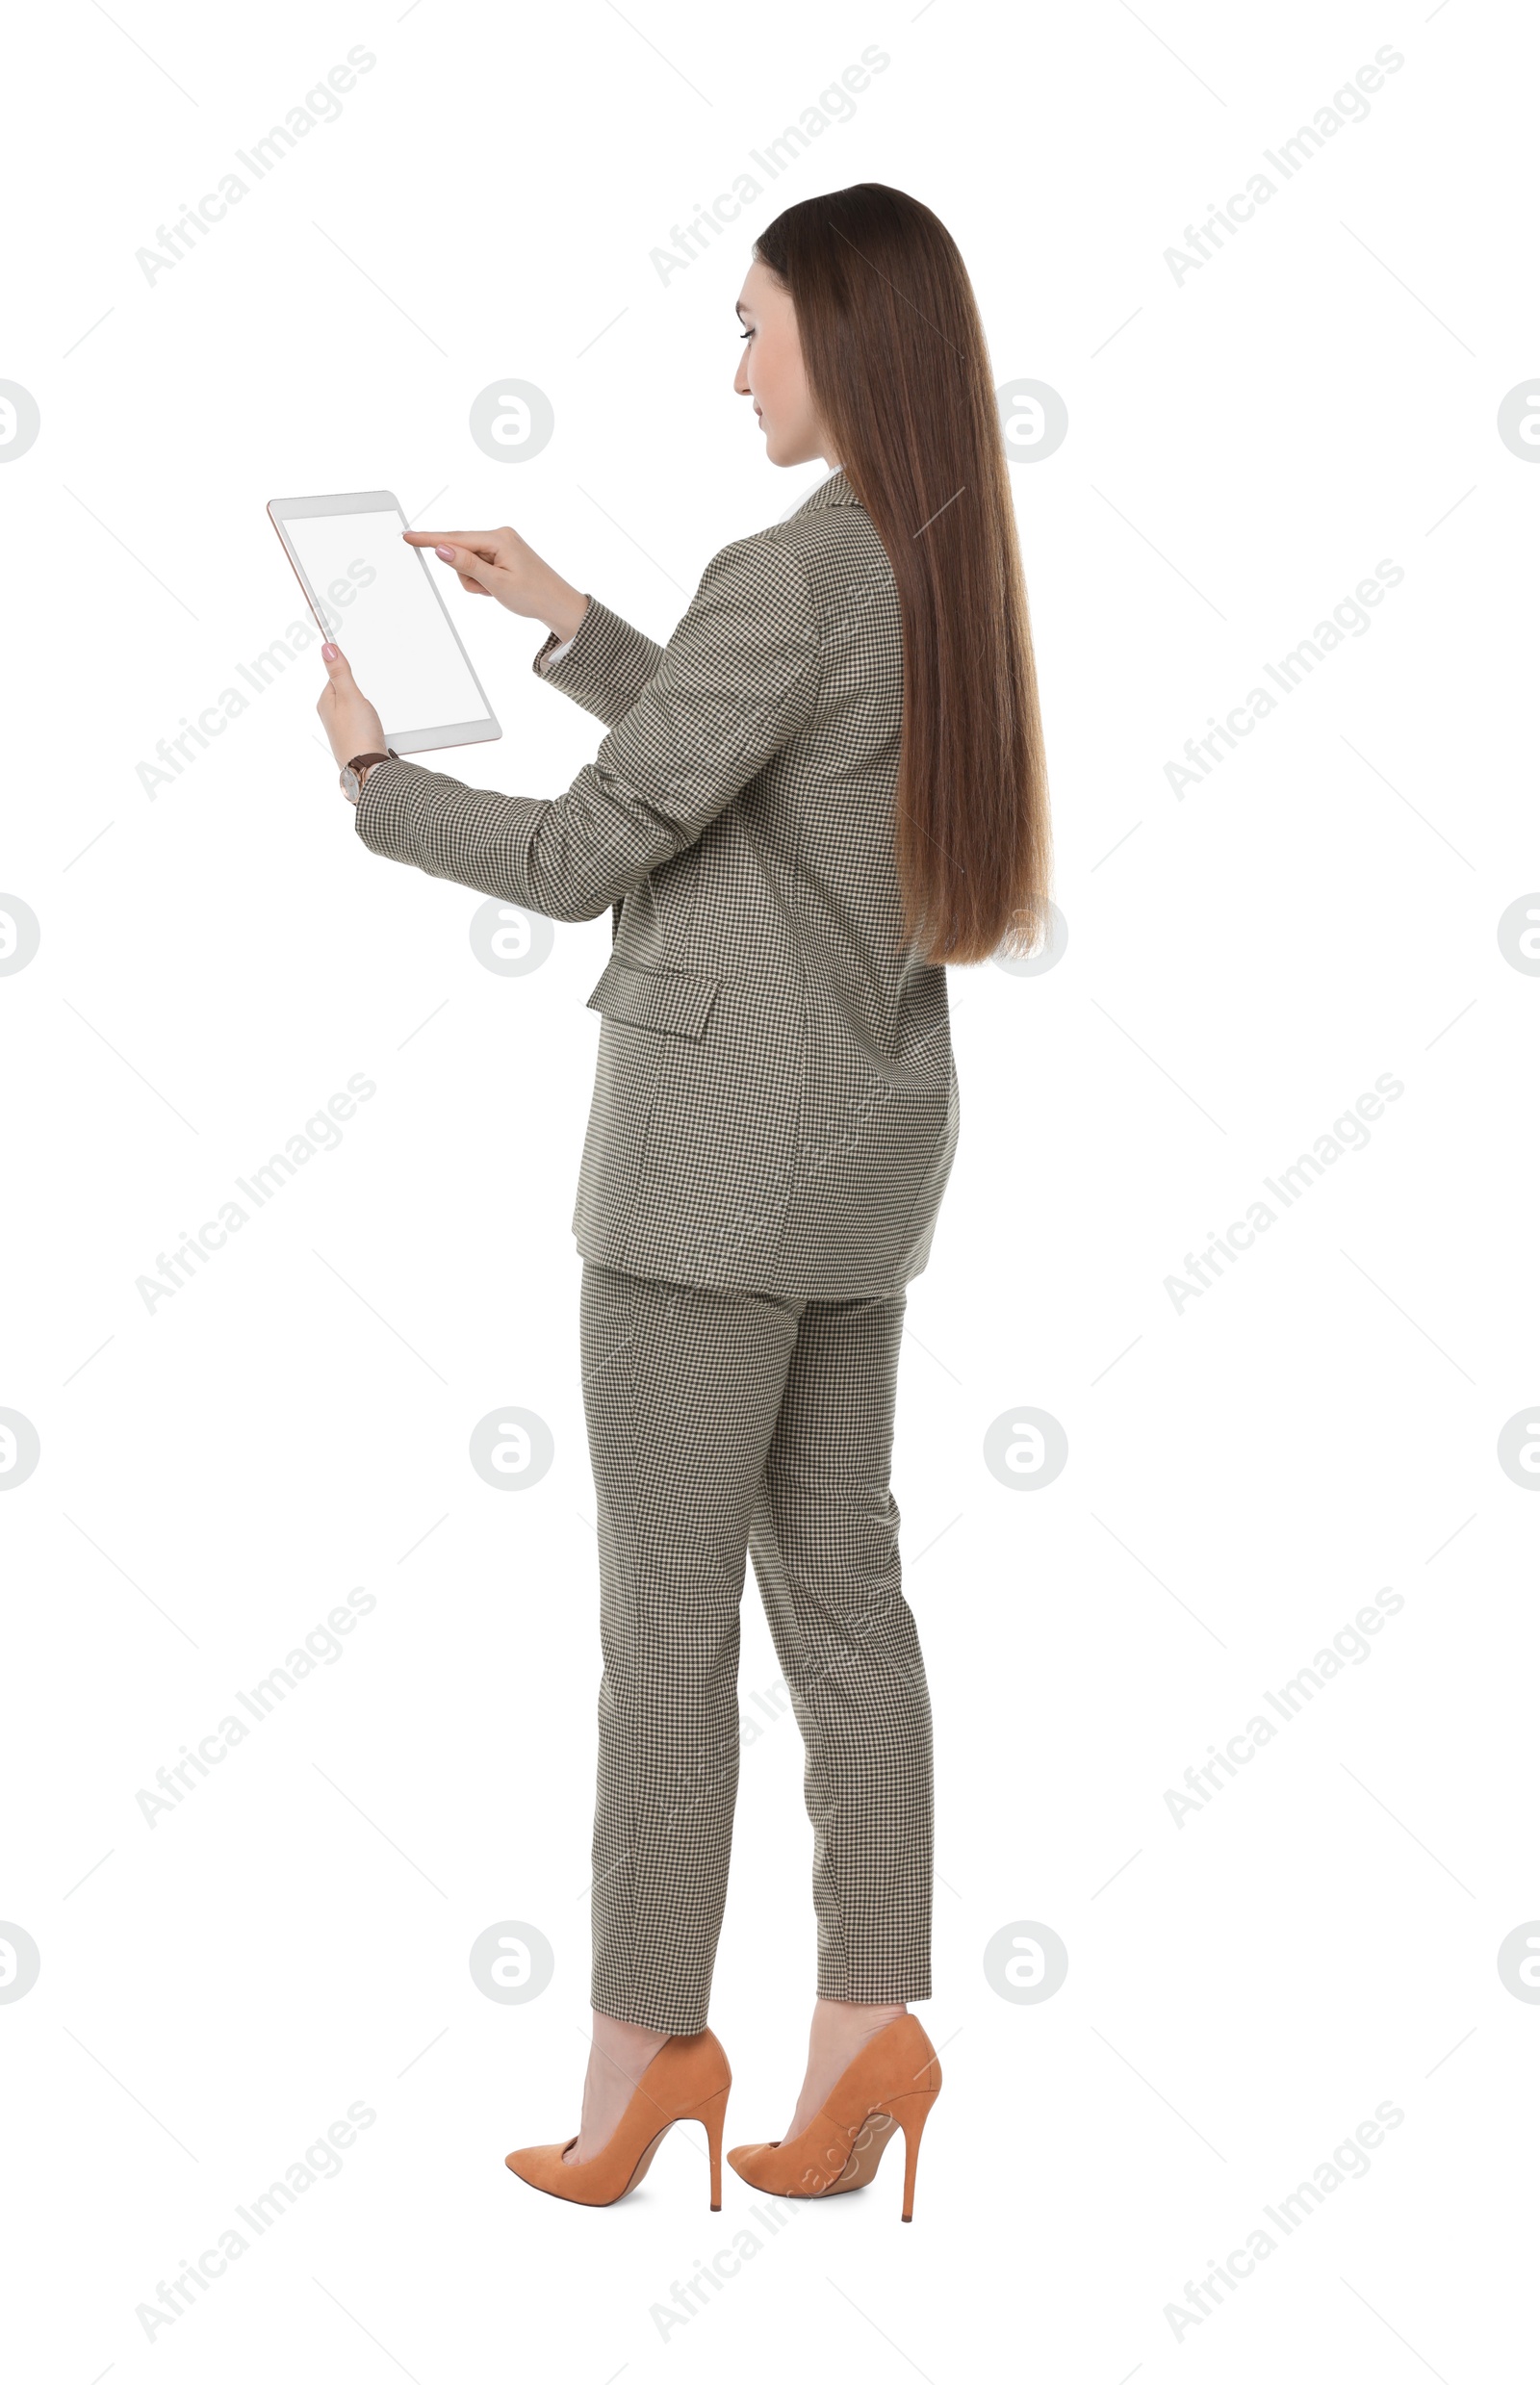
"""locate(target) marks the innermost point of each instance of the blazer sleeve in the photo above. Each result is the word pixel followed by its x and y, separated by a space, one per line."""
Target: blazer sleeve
pixel 603 666
pixel 740 677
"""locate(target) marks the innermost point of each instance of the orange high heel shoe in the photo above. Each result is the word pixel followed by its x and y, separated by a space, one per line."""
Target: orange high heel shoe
pixel 687 2079
pixel 894 2079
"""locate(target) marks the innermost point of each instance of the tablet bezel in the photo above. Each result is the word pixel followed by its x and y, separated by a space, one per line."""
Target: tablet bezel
pixel 285 509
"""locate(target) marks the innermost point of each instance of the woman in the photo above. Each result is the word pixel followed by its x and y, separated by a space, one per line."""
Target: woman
pixel 826 786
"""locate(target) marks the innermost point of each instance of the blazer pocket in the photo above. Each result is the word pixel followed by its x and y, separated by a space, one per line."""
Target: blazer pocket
pixel 671 1001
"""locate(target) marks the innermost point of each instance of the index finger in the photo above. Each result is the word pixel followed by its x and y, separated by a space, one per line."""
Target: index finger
pixel 480 542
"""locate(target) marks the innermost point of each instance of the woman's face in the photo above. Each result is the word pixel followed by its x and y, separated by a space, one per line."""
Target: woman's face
pixel 770 371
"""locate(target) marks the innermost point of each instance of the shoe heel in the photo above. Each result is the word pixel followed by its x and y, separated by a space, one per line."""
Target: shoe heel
pixel 711 2114
pixel 912 2111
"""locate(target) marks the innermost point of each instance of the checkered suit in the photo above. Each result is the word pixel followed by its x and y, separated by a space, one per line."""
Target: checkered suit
pixel 775 1105
pixel 773 1123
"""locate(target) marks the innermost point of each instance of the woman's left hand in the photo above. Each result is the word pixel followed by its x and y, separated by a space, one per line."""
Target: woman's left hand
pixel 350 720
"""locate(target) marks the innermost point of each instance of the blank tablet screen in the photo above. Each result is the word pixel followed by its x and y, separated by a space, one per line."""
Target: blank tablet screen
pixel 381 608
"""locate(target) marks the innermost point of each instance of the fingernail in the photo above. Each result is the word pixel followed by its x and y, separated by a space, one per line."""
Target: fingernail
pixel 448 552
pixel 329 653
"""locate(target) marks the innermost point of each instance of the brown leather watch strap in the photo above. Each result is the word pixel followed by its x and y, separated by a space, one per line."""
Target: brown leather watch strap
pixel 361 764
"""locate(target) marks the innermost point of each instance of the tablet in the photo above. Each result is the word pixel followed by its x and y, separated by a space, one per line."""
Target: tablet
pixel 375 597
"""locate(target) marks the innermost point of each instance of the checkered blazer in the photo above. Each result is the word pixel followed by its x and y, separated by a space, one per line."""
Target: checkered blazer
pixel 775 1103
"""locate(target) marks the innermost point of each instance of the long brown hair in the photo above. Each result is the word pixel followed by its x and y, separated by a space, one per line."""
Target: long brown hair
pixel 898 370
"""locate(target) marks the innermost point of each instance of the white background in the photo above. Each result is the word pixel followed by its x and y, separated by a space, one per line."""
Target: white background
pixel 219 957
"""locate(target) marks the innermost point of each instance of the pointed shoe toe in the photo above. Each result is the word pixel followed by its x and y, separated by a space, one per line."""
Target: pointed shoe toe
pixel 687 2079
pixel 537 2163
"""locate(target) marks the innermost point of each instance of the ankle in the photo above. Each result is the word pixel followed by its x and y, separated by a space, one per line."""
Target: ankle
pixel 838 2022
pixel 626 2044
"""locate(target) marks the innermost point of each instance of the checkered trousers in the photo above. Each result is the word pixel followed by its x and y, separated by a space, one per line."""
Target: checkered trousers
pixel 723 1423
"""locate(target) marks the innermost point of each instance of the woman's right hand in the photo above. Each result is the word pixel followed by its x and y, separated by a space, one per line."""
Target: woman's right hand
pixel 500 564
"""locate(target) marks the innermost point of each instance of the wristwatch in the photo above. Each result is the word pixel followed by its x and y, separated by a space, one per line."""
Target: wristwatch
pixel 354 773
